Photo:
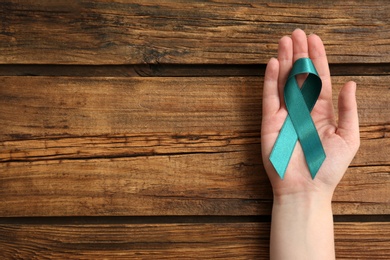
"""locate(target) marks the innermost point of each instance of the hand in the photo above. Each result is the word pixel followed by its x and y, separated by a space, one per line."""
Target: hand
pixel 340 140
pixel 302 221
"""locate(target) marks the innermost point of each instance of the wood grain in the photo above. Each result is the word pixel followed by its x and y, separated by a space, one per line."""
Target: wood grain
pixel 134 142
pixel 232 183
pixel 373 150
pixel 75 117
pixel 196 184
pixel 185 32
pixel 95 106
pixel 173 241
pixel 131 129
pixel 36 107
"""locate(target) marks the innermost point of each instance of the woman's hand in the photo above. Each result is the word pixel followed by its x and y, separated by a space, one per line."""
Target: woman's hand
pixel 302 220
pixel 340 140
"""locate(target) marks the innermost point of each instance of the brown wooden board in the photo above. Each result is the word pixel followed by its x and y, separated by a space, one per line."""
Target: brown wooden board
pixel 231 183
pixel 173 241
pixel 161 146
pixel 373 148
pixel 43 107
pixel 187 32
pixel 131 129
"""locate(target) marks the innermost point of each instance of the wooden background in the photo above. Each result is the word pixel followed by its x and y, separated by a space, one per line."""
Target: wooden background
pixel 131 129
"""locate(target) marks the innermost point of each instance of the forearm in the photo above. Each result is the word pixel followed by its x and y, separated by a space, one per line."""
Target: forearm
pixel 302 227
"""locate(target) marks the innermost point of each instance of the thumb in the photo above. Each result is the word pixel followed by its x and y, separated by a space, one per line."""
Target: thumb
pixel 348 125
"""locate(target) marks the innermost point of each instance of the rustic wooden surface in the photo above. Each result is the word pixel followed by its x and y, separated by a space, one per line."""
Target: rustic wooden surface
pixel 131 129
pixel 238 32
pixel 173 241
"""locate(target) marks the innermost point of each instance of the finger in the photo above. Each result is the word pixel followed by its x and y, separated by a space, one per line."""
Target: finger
pixel 285 58
pixel 318 55
pixel 300 50
pixel 271 100
pixel 300 45
pixel 348 125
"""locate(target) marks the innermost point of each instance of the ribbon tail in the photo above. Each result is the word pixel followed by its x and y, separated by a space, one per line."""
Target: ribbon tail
pixel 284 147
pixel 314 152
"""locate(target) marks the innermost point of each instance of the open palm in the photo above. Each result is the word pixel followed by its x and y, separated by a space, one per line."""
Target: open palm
pixel 340 140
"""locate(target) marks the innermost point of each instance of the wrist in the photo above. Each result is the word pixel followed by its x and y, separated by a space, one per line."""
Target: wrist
pixel 304 207
pixel 307 218
pixel 303 199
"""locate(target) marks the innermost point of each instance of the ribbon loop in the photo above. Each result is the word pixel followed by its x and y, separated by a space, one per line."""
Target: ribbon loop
pixel 299 124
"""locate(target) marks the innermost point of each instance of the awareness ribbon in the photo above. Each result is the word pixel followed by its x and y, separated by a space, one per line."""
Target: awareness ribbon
pixel 298 123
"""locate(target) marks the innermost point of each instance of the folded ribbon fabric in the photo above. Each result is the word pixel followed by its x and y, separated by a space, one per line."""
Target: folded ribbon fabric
pixel 298 123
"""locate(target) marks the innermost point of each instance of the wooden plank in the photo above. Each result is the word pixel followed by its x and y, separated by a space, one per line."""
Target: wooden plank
pixel 374 147
pixel 173 241
pixel 70 118
pixel 157 132
pixel 196 184
pixel 362 240
pixel 363 190
pixel 96 106
pixel 43 107
pixel 127 145
pixel 186 32
pixel 231 183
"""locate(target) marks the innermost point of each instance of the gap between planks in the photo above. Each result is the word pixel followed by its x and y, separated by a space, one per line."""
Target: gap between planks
pixel 176 70
pixel 202 219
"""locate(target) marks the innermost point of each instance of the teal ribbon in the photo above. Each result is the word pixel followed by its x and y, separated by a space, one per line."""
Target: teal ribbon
pixel 298 123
